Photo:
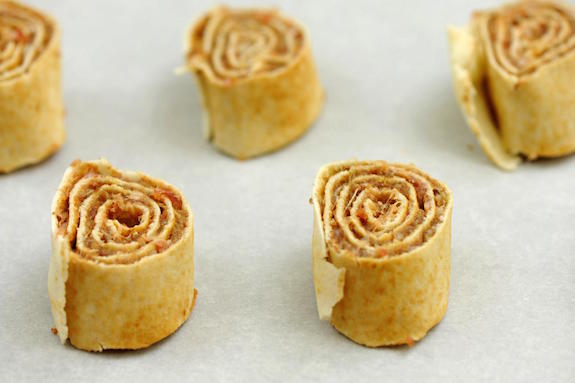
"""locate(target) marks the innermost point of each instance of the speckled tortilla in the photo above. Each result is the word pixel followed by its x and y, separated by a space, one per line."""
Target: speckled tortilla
pixel 514 75
pixel 31 107
pixel 257 78
pixel 381 250
pixel 122 273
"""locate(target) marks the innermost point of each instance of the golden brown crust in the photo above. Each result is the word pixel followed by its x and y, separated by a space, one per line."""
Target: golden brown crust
pixel 257 78
pixel 31 110
pixel 122 258
pixel 381 250
pixel 513 70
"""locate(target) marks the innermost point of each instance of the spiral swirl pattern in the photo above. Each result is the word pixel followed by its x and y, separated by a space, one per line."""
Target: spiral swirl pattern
pixel 24 35
pixel 529 34
pixel 117 217
pixel 232 45
pixel 375 209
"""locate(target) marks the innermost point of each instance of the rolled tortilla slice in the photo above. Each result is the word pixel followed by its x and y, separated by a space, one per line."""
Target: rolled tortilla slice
pixel 31 109
pixel 381 250
pixel 257 78
pixel 122 272
pixel 514 74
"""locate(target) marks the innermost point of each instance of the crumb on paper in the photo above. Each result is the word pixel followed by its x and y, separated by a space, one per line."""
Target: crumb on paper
pixel 310 201
pixel 54 330
pixel 409 341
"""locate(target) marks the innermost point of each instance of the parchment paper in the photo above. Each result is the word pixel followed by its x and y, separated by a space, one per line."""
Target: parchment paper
pixel 385 69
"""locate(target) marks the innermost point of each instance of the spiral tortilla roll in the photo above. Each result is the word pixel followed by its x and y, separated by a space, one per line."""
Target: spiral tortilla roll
pixel 122 271
pixel 381 250
pixel 258 82
pixel 31 109
pixel 514 75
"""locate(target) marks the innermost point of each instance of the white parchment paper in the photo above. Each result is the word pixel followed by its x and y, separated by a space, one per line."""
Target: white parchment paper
pixel 386 72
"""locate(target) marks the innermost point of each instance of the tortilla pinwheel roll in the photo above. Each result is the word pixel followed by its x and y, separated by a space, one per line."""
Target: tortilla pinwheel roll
pixel 381 250
pixel 257 78
pixel 122 270
pixel 31 109
pixel 514 74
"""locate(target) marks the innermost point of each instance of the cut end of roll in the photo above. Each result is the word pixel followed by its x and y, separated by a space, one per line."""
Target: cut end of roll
pixel 233 45
pixel 25 35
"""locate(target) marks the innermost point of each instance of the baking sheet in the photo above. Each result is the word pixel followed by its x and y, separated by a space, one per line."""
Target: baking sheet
pixel 385 69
